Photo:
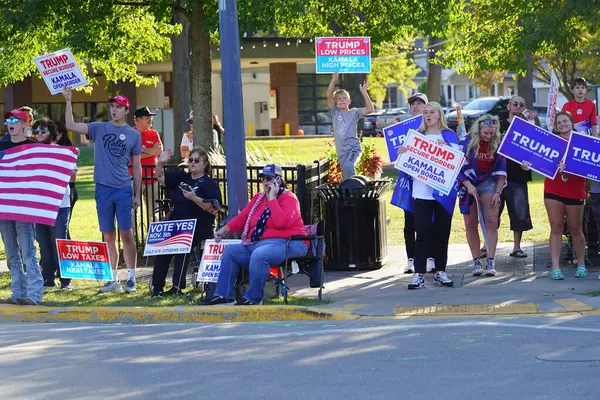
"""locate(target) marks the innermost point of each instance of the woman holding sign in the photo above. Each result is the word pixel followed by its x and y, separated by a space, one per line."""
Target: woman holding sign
pixel 565 195
pixel 190 189
pixel 481 181
pixel 432 209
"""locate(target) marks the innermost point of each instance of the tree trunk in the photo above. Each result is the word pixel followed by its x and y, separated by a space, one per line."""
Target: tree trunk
pixel 200 72
pixel 525 83
pixel 180 101
pixel 434 74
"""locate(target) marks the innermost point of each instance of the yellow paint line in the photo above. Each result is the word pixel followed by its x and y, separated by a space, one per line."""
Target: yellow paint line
pixel 573 305
pixel 469 309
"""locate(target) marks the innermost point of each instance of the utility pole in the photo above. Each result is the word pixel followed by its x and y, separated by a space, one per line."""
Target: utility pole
pixel 233 114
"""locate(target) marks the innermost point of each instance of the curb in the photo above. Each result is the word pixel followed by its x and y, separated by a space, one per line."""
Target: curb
pixel 161 315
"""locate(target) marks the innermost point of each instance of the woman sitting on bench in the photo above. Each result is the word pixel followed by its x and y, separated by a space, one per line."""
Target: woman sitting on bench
pixel 266 223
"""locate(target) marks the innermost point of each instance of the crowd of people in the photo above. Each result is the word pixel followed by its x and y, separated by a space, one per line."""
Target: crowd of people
pixel 486 184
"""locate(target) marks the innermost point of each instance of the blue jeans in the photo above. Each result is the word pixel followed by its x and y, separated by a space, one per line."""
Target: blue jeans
pixel 46 236
pixel 259 258
pixel 19 239
pixel 348 161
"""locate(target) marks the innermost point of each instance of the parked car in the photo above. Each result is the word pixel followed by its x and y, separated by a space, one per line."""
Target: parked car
pixel 478 107
pixel 390 117
pixel 369 123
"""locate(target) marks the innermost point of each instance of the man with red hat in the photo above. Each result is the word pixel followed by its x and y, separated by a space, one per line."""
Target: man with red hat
pixel 116 144
pixel 18 236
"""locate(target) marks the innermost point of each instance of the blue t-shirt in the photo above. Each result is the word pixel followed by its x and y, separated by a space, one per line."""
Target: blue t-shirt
pixel 113 149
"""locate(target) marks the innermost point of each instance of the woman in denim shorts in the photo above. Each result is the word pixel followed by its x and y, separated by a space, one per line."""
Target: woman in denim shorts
pixel 481 181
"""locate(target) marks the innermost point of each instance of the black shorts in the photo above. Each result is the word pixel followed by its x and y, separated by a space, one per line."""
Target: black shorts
pixel 515 197
pixel 565 200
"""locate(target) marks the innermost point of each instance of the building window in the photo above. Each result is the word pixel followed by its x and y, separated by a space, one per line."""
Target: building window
pixel 471 92
pixel 314 116
pixel 534 94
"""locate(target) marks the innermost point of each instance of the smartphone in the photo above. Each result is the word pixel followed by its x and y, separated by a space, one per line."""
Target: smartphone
pixel 278 180
pixel 186 187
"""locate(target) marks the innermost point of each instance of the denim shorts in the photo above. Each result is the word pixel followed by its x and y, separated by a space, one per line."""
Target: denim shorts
pixel 487 186
pixel 114 202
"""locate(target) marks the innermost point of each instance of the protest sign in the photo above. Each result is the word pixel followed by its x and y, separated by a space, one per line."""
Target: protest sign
pixel 433 164
pixel 83 260
pixel 59 69
pixel 210 264
pixel 584 127
pixel 396 134
pixel 170 237
pixel 343 54
pixel 552 98
pixel 583 156
pixel 526 142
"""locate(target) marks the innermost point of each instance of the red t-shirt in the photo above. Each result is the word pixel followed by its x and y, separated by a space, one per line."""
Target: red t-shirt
pixel 584 111
pixel 573 188
pixel 149 138
pixel 484 161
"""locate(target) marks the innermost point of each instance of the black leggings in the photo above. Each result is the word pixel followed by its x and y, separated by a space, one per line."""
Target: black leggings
pixel 409 234
pixel 432 223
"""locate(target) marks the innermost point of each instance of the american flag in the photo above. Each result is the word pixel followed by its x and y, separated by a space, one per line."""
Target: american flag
pixel 33 181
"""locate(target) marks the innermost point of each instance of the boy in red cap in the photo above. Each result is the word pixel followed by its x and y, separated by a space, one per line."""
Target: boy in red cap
pixel 19 236
pixel 115 145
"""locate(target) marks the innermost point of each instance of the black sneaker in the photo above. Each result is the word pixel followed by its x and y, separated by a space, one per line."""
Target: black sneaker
pixel 25 301
pixel 49 285
pixel 66 286
pixel 246 302
pixel 158 295
pixel 9 300
pixel 215 301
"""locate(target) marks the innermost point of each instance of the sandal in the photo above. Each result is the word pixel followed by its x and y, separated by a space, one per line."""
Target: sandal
pixel 557 275
pixel 518 253
pixel 483 252
pixel 581 272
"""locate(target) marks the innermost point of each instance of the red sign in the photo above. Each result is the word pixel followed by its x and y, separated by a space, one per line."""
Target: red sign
pixel 343 46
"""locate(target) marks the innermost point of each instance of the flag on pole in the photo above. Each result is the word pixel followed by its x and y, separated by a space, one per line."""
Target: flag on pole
pixel 33 181
pixel 552 97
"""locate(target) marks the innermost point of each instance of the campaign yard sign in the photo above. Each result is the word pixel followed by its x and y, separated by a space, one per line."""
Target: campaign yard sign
pixel 395 135
pixel 170 237
pixel 59 69
pixel 83 260
pixel 584 127
pixel 343 54
pixel 210 264
pixel 433 164
pixel 525 141
pixel 583 156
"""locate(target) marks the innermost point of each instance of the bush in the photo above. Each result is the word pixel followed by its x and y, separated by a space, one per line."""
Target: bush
pixel 370 164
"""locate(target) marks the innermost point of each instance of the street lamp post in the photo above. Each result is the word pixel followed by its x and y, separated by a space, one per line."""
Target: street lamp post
pixel 233 114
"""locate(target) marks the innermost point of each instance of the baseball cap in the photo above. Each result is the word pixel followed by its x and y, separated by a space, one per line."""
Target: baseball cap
pixel 22 115
pixel 271 170
pixel 120 100
pixel 143 112
pixel 418 96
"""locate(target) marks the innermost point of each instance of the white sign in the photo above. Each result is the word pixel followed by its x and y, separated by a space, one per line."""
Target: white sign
pixel 210 264
pixel 59 69
pixel 170 237
pixel 433 164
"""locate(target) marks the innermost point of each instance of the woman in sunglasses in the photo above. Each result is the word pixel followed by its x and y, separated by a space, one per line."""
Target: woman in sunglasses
pixel 193 193
pixel 45 132
pixel 266 223
pixel 481 181
pixel 565 195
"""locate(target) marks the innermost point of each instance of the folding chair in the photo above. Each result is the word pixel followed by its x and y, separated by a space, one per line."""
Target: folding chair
pixel 311 264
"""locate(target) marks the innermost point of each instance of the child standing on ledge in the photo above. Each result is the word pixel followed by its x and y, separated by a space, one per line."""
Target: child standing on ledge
pixel 345 121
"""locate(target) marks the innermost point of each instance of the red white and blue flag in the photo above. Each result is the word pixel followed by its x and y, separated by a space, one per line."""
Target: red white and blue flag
pixel 170 237
pixel 34 180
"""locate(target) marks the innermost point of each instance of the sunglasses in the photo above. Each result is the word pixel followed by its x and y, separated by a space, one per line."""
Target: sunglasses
pixel 489 122
pixel 38 132
pixel 11 120
pixel 268 178
pixel 518 104
pixel 194 160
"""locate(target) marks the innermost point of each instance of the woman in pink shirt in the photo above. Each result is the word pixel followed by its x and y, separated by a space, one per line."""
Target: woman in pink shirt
pixel 266 223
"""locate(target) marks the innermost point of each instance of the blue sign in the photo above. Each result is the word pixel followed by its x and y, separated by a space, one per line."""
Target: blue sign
pixel 584 127
pixel 83 260
pixel 583 156
pixel 395 135
pixel 170 237
pixel 527 142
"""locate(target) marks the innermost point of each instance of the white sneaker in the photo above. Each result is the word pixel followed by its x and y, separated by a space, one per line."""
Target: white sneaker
pixel 430 265
pixel 441 279
pixel 490 268
pixel 417 282
pixel 111 286
pixel 409 268
pixel 477 268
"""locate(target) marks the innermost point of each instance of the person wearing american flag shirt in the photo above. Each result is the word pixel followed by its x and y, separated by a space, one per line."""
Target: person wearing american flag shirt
pixel 116 144
pixel 19 236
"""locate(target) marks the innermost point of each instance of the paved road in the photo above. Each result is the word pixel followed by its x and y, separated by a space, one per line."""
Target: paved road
pixel 525 358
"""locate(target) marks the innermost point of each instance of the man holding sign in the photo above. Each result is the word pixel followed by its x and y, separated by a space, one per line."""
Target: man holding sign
pixel 115 145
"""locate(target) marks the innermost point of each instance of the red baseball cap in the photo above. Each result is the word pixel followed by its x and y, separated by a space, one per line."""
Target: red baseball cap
pixel 22 115
pixel 120 100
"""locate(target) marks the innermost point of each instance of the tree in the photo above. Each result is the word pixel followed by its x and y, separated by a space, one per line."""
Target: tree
pixel 391 65
pixel 486 79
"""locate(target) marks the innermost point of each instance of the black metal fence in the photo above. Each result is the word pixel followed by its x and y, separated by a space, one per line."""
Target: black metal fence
pixel 301 179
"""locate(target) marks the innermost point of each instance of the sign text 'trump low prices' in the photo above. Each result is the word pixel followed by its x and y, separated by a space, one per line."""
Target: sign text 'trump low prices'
pixel 343 54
